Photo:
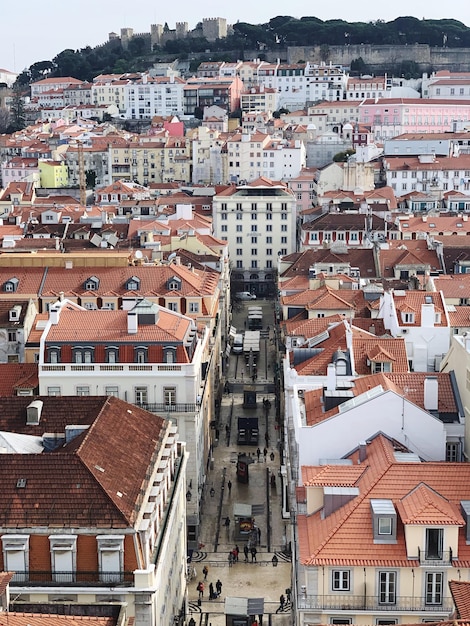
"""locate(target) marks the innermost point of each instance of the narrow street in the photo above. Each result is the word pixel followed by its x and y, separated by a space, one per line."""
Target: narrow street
pixel 267 574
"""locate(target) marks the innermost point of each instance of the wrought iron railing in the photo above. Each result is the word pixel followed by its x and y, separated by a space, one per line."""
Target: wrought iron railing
pixel 79 579
pixel 372 603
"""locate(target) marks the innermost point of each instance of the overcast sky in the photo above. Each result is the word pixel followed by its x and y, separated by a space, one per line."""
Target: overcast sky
pixel 37 31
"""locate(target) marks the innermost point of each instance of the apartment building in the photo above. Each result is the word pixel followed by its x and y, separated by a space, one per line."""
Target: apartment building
pixel 258 220
pixel 380 536
pixel 85 529
pixel 148 355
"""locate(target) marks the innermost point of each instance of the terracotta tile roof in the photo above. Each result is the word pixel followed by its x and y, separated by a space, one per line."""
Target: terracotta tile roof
pixel 369 347
pixel 372 326
pixel 414 253
pixel 43 619
pixel 424 506
pixel 5 578
pixel 310 327
pixel 460 590
pixel 411 301
pixel 86 482
pixel 459 316
pixel 453 285
pixel 300 262
pixel 345 536
pixel 316 365
pixel 105 326
pixel 112 281
pixel 332 475
pixel 16 376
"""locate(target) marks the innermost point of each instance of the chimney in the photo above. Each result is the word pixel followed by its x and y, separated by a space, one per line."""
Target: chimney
pixel 431 393
pixel 331 377
pixel 54 313
pixel 362 451
pixel 427 315
pixel 132 322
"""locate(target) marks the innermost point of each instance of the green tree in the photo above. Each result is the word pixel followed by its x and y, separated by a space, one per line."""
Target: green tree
pixel 17 110
pixel 5 120
pixel 342 157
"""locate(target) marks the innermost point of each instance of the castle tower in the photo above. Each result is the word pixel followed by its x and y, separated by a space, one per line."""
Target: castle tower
pixel 182 29
pixel 156 32
pixel 126 36
pixel 214 28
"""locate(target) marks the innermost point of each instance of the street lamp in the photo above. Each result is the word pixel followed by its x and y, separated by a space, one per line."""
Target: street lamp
pixel 188 495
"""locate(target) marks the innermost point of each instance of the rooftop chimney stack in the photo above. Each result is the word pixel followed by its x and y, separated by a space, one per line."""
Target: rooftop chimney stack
pixel 331 377
pixel 132 322
pixel 431 393
pixel 362 451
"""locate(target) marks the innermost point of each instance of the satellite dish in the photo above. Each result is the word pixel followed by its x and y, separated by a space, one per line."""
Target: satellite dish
pixel 138 254
pixel 172 256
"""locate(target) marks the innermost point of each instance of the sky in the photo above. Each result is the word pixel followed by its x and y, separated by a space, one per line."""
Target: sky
pixel 34 31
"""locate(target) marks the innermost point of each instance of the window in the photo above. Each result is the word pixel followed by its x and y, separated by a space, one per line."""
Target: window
pixel 110 557
pixel 340 580
pixel 340 620
pixel 434 542
pixel 54 355
pixel 382 366
pixel 194 307
pixel 169 396
pixel 224 228
pixel 12 335
pixel 408 318
pixel 141 395
pixel 83 390
pixel 172 306
pixel 387 587
pixel 453 452
pixel 239 228
pixel 53 391
pixel 385 525
pixel 16 555
pixel 112 391
pixel 434 581
pixel 140 354
pixel 239 251
pixel 63 557
pixel 112 354
pixel 284 228
pixel 169 354
pixel 269 228
pixel 385 622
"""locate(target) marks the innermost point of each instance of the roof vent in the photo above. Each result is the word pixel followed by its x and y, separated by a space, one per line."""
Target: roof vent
pixel 33 412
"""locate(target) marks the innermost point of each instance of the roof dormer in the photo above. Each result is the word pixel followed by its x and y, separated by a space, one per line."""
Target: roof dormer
pixel 133 283
pixel 92 283
pixel 174 283
pixel 11 284
pixel 384 521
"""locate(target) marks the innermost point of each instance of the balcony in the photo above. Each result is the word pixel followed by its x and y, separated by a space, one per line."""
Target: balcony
pixel 73 579
pixel 157 407
pixel 372 603
pixel 435 557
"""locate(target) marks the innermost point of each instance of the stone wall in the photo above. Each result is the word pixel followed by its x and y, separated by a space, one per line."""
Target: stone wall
pixel 385 57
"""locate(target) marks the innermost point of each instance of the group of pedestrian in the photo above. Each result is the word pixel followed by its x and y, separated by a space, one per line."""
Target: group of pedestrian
pixel 214 591
pixel 233 556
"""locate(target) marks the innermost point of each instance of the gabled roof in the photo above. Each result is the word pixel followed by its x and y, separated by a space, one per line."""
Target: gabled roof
pixel 345 537
pixel 460 590
pixel 423 506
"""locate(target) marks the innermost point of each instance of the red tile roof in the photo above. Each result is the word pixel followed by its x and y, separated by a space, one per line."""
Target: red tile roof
pixel 460 590
pixel 424 506
pixel 345 537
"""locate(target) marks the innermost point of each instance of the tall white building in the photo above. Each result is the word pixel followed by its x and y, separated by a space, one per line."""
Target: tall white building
pixel 258 220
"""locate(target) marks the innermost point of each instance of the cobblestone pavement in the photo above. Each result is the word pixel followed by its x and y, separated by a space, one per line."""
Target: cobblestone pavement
pixel 252 579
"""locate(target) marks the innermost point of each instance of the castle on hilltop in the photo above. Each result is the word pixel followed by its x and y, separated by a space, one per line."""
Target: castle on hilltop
pixel 210 28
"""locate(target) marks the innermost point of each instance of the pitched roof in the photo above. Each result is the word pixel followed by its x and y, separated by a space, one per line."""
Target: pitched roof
pixel 411 301
pixel 460 590
pixel 86 482
pixel 423 506
pixel 345 537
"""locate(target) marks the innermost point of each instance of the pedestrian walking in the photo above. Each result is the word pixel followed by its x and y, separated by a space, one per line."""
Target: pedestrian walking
pixel 275 560
pixel 245 551
pixel 234 554
pixel 266 438
pixel 205 571
pixel 258 452
pixel 218 586
pixel 271 456
pixel 212 492
pixel 227 522
pixel 282 601
pixel 237 552
pixel 265 453
pixel 288 594
pixel 229 485
pixel 230 559
pixel 200 588
pixel 211 591
pixel 253 554
pixel 258 530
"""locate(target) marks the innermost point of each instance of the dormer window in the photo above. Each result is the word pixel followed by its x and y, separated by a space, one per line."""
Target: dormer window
pixel 133 283
pixel 11 285
pixel 381 366
pixel 384 521
pixel 140 354
pixel 83 355
pixel 112 354
pixel 408 318
pixel 92 284
pixel 169 354
pixel 53 354
pixel 174 284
